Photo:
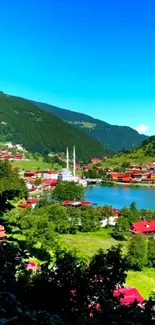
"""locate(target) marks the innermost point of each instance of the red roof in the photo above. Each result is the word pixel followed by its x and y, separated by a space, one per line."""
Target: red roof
pixel 1 228
pixel 47 181
pixel 95 159
pixel 32 200
pixel 85 203
pixel 30 173
pixel 2 234
pixel 143 226
pixel 115 211
pixel 24 205
pixel 78 203
pixel 67 202
pixel 50 172
pixel 130 295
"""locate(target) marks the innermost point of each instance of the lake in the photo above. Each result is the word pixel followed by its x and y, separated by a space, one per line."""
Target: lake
pixel 121 196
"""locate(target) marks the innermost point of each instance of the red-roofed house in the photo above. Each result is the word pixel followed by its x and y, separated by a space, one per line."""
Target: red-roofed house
pixel 78 166
pixel 32 200
pixel 130 294
pixel 95 160
pixel 17 157
pixel 30 174
pixel 86 168
pixel 143 227
pixel 2 233
pixel 24 205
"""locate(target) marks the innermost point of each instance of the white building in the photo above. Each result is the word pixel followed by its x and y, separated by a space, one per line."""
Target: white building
pixel 66 175
pixel 50 174
pixel 111 221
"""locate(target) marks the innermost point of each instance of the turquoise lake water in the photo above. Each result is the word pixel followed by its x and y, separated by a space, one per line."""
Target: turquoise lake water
pixel 121 196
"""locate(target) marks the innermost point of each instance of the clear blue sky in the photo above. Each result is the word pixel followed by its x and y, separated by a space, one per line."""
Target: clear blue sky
pixel 96 57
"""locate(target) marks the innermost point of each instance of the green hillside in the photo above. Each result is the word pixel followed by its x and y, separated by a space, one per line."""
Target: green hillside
pixel 113 136
pixel 145 153
pixel 39 131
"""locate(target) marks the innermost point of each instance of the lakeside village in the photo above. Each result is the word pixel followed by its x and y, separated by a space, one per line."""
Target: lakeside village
pixel 49 179
pixel 82 174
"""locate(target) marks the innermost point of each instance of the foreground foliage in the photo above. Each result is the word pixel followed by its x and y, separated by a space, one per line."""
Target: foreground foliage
pixel 11 186
pixel 68 291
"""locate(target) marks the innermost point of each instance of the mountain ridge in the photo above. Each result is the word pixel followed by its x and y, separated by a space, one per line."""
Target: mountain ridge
pixel 23 122
pixel 115 137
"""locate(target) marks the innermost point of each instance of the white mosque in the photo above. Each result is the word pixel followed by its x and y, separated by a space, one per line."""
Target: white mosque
pixel 66 175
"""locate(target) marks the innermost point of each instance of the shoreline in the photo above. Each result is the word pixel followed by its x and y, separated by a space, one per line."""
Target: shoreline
pixel 105 183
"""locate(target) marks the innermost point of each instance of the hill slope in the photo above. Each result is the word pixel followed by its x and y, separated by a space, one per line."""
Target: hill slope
pixel 113 136
pixel 39 131
pixel 145 153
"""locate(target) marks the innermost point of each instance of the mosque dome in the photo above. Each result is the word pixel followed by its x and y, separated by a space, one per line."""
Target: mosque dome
pixel 65 171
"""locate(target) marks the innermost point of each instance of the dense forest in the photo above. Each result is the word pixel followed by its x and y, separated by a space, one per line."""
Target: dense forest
pixel 113 136
pixel 39 131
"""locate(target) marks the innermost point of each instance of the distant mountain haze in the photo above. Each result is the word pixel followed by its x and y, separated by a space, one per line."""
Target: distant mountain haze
pixel 114 137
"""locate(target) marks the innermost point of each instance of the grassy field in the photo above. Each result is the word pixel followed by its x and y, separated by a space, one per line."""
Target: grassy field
pixel 88 244
pixel 134 158
pixel 34 165
pixel 144 281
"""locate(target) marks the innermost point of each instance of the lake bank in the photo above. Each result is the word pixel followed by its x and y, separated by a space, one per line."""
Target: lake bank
pixel 136 184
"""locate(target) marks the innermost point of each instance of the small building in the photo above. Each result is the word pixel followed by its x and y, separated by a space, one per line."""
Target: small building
pixel 30 174
pixel 95 160
pixel 2 233
pixel 78 166
pixel 143 227
pixel 109 221
pixel 129 295
pixel 50 174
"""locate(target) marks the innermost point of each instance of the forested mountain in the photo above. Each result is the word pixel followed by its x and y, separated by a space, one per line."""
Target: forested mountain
pixel 148 146
pixel 39 131
pixel 113 136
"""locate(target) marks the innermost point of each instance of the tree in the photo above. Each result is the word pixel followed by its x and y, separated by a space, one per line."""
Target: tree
pixel 68 191
pixel 37 182
pixel 125 165
pixel 11 185
pixel 101 272
pixel 91 173
pixel 90 219
pixel 137 252
pixel 134 210
pixel 131 214
pixel 151 251
pixel 121 229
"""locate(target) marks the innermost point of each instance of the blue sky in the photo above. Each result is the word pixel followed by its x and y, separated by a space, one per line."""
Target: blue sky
pixel 96 57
